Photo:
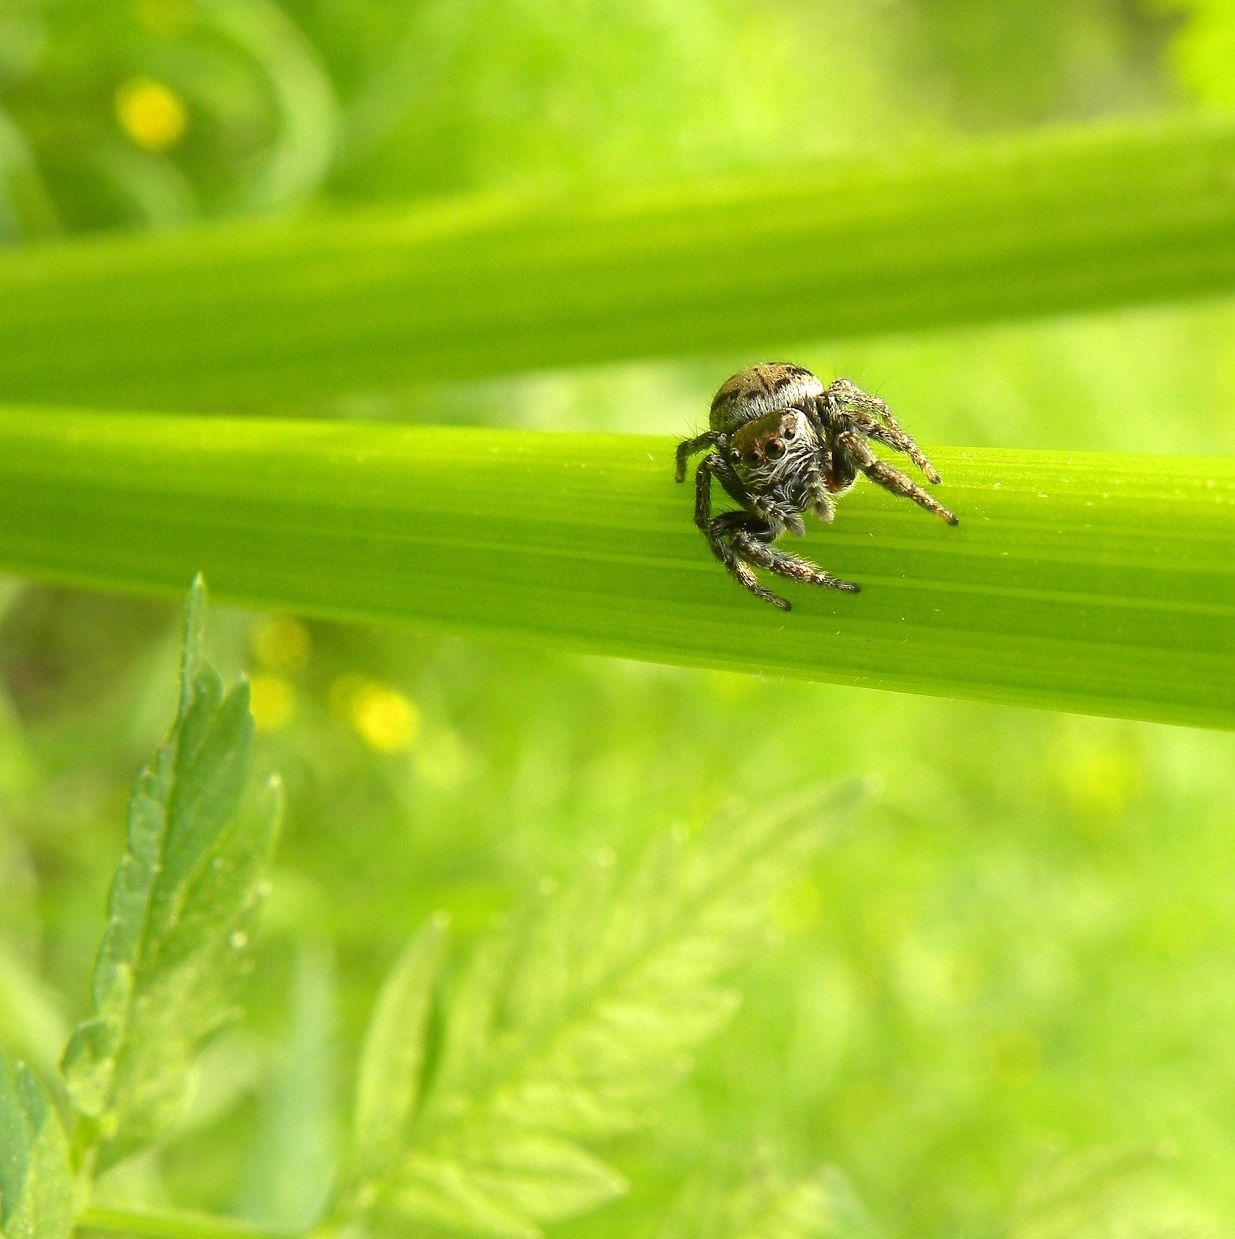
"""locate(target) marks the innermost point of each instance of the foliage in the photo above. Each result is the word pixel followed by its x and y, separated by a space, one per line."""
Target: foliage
pixel 571 1020
pixel 179 918
pixel 349 305
pixel 36 1191
pixel 1202 48
pixel 1022 955
pixel 1088 583
pixel 393 1059
pixel 761 1203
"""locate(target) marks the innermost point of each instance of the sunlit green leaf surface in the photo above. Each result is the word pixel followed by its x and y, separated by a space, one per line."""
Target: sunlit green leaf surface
pixel 1093 583
pixel 274 314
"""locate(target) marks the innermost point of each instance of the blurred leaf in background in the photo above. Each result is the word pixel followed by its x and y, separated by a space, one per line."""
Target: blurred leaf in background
pixel 154 112
pixel 1203 50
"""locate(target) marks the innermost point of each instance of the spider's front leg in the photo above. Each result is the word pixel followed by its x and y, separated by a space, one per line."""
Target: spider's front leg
pixel 870 416
pixel 853 444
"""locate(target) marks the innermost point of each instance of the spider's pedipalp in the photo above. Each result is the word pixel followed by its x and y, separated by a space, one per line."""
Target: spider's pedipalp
pixel 687 449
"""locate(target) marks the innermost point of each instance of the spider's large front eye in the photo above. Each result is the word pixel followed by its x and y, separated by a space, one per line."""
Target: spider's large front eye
pixel 775 449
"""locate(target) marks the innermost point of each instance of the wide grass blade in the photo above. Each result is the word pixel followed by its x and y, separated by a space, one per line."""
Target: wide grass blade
pixel 1093 583
pixel 284 315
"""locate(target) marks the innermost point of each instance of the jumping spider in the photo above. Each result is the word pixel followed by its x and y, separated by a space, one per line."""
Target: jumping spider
pixel 783 445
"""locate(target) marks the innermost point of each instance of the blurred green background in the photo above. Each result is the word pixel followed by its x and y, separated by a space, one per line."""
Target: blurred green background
pixel 1016 969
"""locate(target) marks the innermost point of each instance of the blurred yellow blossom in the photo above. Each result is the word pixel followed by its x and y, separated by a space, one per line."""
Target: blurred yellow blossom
pixel 153 115
pixel 382 716
pixel 1099 770
pixel 272 700
pixel 280 643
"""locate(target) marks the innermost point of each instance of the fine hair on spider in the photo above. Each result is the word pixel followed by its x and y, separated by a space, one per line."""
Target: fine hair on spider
pixel 781 444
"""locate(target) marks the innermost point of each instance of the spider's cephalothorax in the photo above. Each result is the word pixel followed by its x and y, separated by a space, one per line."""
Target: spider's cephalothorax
pixel 782 444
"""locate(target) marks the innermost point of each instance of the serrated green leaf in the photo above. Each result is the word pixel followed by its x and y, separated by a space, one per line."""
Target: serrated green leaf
pixel 1093 1193
pixel 292 1161
pixel 393 1058
pixel 498 1180
pixel 820 1205
pixel 36 1187
pixel 180 913
pixel 576 1014
pixel 765 1204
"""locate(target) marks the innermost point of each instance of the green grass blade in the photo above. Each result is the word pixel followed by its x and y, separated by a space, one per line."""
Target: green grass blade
pixel 268 314
pixel 1093 583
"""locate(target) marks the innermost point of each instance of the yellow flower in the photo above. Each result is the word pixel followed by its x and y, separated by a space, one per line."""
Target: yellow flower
pixel 382 716
pixel 281 643
pixel 152 115
pixel 272 700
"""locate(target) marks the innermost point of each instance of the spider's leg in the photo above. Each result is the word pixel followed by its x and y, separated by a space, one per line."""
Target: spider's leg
pixel 891 479
pixel 703 490
pixel 751 540
pixel 688 447
pixel 869 415
pixel 891 435
pixel 720 530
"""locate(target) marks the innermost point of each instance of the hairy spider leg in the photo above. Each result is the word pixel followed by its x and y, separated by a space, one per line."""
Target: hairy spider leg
pixel 687 449
pixel 891 435
pixel 717 530
pixel 874 419
pixel 751 538
pixel 854 446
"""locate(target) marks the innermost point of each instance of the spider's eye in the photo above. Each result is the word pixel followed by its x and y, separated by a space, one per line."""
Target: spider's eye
pixel 775 449
pixel 752 456
pixel 789 433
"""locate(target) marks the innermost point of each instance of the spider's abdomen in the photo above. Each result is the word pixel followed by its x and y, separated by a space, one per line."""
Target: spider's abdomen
pixel 758 390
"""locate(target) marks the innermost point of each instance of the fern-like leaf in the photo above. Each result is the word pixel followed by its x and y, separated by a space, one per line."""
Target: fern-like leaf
pixel 1102 1193
pixel 179 917
pixel 765 1204
pixel 36 1188
pixel 392 1061
pixel 578 1013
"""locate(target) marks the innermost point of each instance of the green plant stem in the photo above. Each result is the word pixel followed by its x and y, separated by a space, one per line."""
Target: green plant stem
pixel 288 315
pixel 168 1224
pixel 1100 584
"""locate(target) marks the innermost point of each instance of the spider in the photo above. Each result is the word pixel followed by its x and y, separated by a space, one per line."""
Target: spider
pixel 783 444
